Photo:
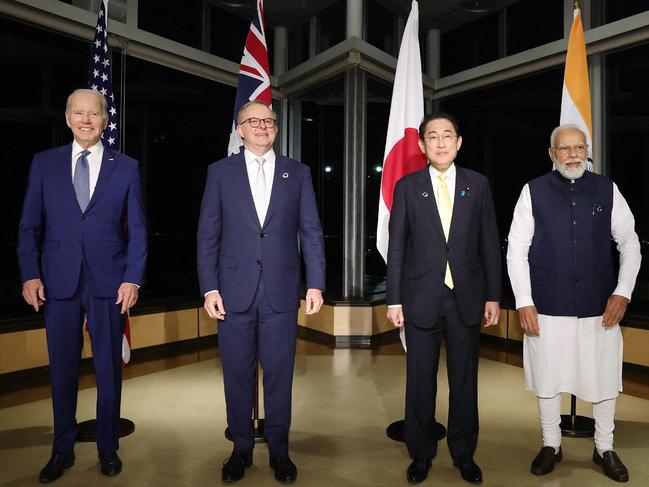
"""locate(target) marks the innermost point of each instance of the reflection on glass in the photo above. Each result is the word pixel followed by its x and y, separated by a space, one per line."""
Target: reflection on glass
pixel 627 131
pixel 176 125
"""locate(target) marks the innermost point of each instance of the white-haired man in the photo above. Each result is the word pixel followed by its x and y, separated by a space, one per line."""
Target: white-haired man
pixel 569 296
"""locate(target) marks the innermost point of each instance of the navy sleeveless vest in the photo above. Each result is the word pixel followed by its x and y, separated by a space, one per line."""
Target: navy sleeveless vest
pixel 570 258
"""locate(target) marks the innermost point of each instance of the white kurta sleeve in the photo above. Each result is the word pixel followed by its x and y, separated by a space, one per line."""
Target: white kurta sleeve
pixel 520 238
pixel 628 245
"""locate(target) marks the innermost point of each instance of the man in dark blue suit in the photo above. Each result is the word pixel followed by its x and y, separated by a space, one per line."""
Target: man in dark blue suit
pixel 77 257
pixel 443 276
pixel 257 216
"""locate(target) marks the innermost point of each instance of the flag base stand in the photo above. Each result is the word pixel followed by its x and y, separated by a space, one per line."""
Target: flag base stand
pixel 88 429
pixel 395 430
pixel 257 431
pixel 573 426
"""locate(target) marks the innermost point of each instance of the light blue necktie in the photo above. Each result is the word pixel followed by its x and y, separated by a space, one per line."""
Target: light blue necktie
pixel 81 180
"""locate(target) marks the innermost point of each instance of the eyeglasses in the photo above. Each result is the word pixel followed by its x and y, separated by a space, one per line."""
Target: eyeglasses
pixel 256 122
pixel 434 138
pixel 564 150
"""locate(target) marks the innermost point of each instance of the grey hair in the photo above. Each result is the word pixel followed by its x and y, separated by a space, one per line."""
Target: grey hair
pixel 251 103
pixel 88 91
pixel 561 128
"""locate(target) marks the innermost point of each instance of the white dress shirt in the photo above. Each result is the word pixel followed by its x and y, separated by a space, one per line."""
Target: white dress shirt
pixel 94 162
pixel 450 174
pixel 269 171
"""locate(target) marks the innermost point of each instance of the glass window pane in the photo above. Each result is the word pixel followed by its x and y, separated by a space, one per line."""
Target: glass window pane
pixel 332 25
pixel 531 23
pixel 179 21
pixel 470 45
pixel 298 45
pixel 627 135
pixel 228 34
pixel 176 125
pixel 379 95
pixel 322 148
pixel 617 9
pixel 382 27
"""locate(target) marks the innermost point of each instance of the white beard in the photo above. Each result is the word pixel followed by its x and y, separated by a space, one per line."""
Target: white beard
pixel 571 172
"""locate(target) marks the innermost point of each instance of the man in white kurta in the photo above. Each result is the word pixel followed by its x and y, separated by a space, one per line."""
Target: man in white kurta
pixel 557 242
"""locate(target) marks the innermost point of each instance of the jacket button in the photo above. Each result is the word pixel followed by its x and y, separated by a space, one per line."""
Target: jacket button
pixel 258 263
pixel 262 235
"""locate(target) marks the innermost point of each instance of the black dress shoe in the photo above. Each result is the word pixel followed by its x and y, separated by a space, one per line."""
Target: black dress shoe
pixel 545 460
pixel 55 466
pixel 471 472
pixel 612 465
pixel 110 463
pixel 235 467
pixel 418 469
pixel 285 469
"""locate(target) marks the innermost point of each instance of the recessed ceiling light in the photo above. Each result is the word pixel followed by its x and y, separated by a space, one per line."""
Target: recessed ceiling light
pixel 477 6
pixel 234 3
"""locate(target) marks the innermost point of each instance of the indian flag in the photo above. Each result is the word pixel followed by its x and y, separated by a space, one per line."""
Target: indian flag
pixel 575 99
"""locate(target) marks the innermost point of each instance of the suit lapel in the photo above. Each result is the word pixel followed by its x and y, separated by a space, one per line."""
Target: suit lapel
pixel 64 173
pixel 280 178
pixel 426 197
pixel 242 181
pixel 108 164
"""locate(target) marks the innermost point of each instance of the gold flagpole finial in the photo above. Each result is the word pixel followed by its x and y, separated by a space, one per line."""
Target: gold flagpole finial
pixel 576 4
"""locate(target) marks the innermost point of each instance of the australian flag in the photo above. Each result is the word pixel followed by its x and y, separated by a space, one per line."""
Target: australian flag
pixel 100 77
pixel 254 74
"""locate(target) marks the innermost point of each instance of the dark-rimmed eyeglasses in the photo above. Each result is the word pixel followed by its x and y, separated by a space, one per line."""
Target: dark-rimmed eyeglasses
pixel 256 122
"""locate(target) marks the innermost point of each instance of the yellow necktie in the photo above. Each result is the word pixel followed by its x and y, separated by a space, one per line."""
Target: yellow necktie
pixel 445 214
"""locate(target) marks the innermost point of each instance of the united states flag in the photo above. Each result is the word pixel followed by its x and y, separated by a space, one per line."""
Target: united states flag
pixel 254 74
pixel 100 77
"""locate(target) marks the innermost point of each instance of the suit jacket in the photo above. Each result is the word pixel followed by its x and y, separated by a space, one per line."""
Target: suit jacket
pixel 234 249
pixel 55 238
pixel 418 251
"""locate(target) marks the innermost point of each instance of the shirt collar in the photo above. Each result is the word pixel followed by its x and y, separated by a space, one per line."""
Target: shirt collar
pixel 97 149
pixel 450 172
pixel 250 156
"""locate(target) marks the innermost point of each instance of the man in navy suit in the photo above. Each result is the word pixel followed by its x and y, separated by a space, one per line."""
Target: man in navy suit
pixel 255 207
pixel 443 276
pixel 76 257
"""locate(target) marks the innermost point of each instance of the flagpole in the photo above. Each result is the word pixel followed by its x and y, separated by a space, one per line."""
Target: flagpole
pixel 253 84
pixel 87 430
pixel 576 109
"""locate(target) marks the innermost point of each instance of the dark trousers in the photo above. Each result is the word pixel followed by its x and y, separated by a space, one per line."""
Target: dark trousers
pixel 258 334
pixel 462 351
pixel 64 320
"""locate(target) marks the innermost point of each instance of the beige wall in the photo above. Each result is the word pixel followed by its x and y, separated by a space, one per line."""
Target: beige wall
pixel 28 349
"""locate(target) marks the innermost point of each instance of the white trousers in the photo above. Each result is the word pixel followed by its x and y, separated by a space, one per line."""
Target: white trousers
pixel 550 415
